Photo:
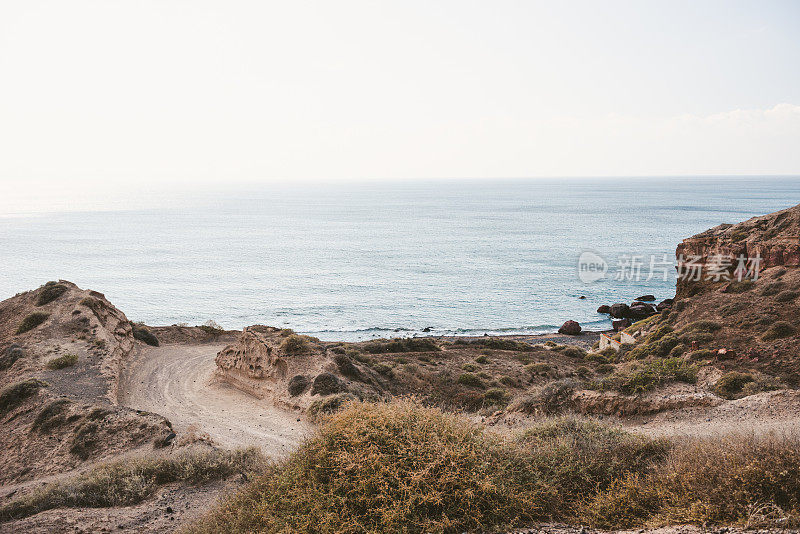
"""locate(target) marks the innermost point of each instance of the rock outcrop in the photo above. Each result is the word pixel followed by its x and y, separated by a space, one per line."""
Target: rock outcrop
pixel 570 328
pixel 737 251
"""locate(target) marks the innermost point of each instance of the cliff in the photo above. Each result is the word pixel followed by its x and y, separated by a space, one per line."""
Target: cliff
pixel 763 242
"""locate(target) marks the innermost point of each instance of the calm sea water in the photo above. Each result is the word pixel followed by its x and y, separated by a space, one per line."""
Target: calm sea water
pixel 359 261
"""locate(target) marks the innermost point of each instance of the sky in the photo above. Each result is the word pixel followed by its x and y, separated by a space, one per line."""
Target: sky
pixel 114 95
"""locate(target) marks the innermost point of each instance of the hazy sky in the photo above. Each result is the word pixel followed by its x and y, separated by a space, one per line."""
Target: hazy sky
pixel 168 91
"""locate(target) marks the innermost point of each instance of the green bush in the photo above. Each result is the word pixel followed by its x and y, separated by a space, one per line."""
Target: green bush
pixel 482 359
pixel 50 292
pixel 67 360
pixel 538 368
pixel 31 321
pixel 573 352
pixel 495 396
pixel 732 383
pixel 144 335
pixel 702 326
pixel 15 394
pixel 644 376
pixel 470 367
pixel 471 380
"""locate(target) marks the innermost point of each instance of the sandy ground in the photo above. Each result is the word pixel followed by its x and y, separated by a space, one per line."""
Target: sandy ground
pixel 176 381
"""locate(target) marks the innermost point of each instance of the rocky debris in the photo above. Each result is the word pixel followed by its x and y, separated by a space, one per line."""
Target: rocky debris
pixel 605 308
pixel 620 324
pixel 570 328
pixel 619 310
pixel 665 304
pixel 646 298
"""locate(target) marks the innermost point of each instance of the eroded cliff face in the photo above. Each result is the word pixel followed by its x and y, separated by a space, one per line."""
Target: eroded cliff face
pixel 736 252
pixel 264 359
pixel 64 414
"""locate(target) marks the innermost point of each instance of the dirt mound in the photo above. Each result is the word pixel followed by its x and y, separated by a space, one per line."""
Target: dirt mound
pixel 61 352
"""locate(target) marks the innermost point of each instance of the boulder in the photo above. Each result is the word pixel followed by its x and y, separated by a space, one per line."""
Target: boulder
pixel 665 304
pixel 619 310
pixel 605 308
pixel 570 328
pixel 647 298
pixel 620 324
pixel 640 311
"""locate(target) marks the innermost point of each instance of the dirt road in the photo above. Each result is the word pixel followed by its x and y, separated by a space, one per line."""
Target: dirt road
pixel 176 381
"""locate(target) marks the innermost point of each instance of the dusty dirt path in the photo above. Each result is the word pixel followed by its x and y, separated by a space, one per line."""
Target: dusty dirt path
pixel 176 381
pixel 773 411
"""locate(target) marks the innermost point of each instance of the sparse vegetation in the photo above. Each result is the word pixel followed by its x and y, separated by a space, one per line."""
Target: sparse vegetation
pixel 50 292
pixel 295 344
pixel 572 351
pixel 747 480
pixel 15 394
pixel 31 321
pixel 409 344
pixel 786 296
pixel 779 329
pixel 732 383
pixel 773 288
pixel 471 380
pixel 535 369
pixel 131 481
pixel 399 467
pixel 497 343
pixel 51 416
pixel 12 353
pixel 482 359
pixel 646 375
pixel 67 360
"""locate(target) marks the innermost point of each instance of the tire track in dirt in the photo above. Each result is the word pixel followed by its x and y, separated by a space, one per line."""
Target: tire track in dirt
pixel 176 381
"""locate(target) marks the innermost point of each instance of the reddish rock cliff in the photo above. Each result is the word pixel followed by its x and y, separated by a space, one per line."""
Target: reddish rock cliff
pixel 735 252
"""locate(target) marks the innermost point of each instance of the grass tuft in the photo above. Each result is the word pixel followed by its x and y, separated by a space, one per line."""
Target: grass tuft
pixel 31 321
pixel 131 481
pixel 67 360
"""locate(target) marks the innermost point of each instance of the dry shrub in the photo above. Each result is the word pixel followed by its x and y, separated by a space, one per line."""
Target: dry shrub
pixel 724 480
pixel 15 394
pixel 131 481
pixel 31 321
pixel 61 362
pixel 401 468
pixel 389 468
pixel 144 335
pixel 779 330
pixel 295 344
pixel 50 292
pixel 409 344
pixel 644 376
pixel 581 456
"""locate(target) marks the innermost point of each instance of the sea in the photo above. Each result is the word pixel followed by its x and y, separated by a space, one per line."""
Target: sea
pixel 354 261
